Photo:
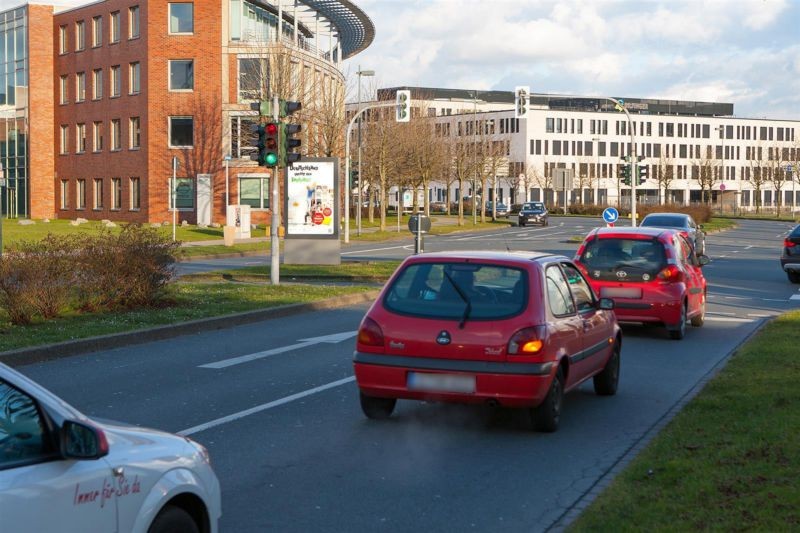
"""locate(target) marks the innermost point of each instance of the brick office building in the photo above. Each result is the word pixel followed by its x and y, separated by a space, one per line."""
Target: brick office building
pixel 116 91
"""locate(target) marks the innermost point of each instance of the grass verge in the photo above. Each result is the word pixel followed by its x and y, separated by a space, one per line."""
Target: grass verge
pixel 189 301
pixel 370 272
pixel 730 461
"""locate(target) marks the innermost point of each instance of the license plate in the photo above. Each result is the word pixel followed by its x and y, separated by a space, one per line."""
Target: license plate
pixel 620 292
pixel 441 382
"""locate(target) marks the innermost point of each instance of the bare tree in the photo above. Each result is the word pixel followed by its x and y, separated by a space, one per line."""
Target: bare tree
pixel 706 172
pixel 777 174
pixel 462 159
pixel 492 160
pixel 380 157
pixel 542 179
pixel 583 178
pixel 757 169
pixel 665 175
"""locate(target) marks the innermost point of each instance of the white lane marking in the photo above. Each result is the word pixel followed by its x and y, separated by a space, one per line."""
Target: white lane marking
pixel 758 315
pixel 333 338
pixel 736 298
pixel 374 250
pixel 264 407
pixel 720 313
pixel 748 247
pixel 795 297
pixel 729 319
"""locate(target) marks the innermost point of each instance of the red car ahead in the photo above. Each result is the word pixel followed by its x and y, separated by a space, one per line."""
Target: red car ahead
pixel 651 273
pixel 506 329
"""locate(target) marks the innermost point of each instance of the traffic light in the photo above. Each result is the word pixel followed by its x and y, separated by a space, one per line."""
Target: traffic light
pixel 286 108
pixel 289 144
pixel 264 107
pixel 402 113
pixel 643 173
pixel 354 179
pixel 625 173
pixel 269 156
pixel 261 143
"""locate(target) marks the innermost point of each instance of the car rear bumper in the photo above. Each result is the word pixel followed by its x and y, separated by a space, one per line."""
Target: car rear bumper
pixel 508 384
pixel 790 265
pixel 639 311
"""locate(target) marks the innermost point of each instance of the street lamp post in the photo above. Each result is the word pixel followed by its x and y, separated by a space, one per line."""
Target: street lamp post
pixel 597 170
pixel 721 130
pixel 474 159
pixel 358 211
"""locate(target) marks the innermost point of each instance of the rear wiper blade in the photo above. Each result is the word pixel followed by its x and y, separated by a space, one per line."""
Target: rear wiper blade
pixel 468 308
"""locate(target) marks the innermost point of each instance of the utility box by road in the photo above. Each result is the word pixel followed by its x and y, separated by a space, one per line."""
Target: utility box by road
pixel 238 217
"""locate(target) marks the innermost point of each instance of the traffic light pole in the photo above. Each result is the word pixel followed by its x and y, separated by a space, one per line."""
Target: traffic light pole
pixel 634 159
pixel 275 249
pixel 347 135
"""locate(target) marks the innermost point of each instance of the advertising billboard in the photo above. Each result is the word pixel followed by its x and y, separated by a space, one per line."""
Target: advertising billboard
pixel 311 199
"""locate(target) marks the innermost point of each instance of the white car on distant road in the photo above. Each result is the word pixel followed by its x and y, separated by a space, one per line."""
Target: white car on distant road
pixel 62 471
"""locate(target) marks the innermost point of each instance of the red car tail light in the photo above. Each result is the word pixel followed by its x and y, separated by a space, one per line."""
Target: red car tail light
pixel 787 243
pixel 671 273
pixel 370 333
pixel 527 341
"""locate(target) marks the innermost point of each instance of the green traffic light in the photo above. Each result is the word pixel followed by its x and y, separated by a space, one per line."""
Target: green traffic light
pixel 271 159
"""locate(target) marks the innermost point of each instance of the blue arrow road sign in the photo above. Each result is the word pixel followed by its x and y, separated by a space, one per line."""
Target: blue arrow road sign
pixel 610 215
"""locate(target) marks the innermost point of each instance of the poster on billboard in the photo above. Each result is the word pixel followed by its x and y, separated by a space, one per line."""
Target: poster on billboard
pixel 311 198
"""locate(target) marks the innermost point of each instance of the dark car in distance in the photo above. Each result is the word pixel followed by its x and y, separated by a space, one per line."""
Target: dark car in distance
pixel 533 213
pixel 502 329
pixel 790 258
pixel 501 209
pixel 680 221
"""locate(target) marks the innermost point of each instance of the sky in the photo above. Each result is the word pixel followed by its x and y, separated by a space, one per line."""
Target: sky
pixel 745 52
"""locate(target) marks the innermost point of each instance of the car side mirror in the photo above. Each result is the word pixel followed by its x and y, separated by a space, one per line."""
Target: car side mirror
pixel 606 304
pixel 82 441
pixel 703 259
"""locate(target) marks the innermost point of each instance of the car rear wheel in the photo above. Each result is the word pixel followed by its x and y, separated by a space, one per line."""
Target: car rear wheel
pixel 377 408
pixel 605 383
pixel 173 519
pixel 794 277
pixel 700 317
pixel 546 416
pixel 678 331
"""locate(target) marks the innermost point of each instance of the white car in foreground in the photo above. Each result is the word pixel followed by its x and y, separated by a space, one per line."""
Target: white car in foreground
pixel 62 471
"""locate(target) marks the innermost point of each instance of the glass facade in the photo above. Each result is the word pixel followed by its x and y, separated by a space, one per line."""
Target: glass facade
pixel 14 112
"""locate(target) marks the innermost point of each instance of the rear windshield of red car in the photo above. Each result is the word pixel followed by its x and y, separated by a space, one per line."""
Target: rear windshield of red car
pixel 443 290
pixel 611 254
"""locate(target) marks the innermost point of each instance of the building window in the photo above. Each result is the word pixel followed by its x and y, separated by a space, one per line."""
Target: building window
pixel 64 194
pixel 97 84
pixel 63 46
pixel 116 81
pixel 253 75
pixel 134 133
pixel 97 31
pixel 254 191
pixel 135 191
pixel 181 132
pixel 80 86
pixel 133 22
pixel 181 17
pixel 115 135
pixel 80 195
pixel 98 193
pixel 242 138
pixel 63 149
pixel 183 194
pixel 133 77
pixel 97 136
pixel 80 36
pixel 116 193
pixel 64 90
pixel 114 34
pixel 80 141
pixel 181 75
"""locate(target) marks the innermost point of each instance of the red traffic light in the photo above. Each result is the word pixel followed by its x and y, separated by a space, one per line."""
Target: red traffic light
pixel 272 128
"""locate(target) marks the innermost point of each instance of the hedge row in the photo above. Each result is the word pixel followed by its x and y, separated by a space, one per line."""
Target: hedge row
pixel 86 272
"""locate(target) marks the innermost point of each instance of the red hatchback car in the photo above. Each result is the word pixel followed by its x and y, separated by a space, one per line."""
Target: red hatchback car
pixel 651 273
pixel 505 329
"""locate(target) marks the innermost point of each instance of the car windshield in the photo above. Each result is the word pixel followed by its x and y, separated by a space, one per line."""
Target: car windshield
pixel 611 254
pixel 427 290
pixel 533 207
pixel 664 221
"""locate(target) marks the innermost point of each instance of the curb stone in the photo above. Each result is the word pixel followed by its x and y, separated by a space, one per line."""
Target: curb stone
pixel 58 350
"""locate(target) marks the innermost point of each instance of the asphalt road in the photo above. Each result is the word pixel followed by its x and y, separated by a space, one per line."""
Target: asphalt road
pixel 278 408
